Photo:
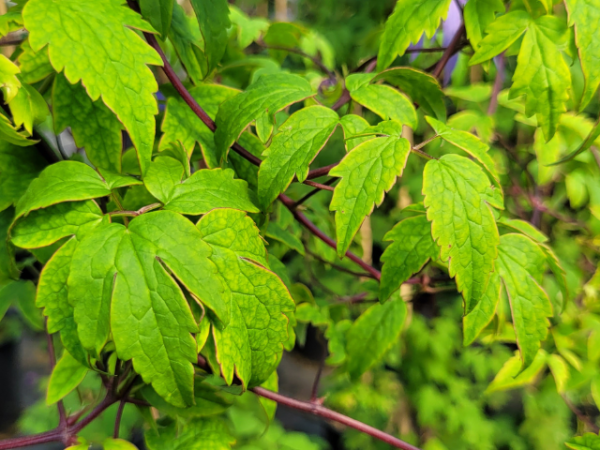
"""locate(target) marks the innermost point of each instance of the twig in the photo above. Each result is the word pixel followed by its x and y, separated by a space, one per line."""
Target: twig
pixel 315 387
pixel 324 187
pixel 321 171
pixel 118 419
pixel 313 192
pixel 316 61
pixel 498 82
pixel 344 98
pixel 581 416
pixel 62 421
pixel 338 267
pixel 450 51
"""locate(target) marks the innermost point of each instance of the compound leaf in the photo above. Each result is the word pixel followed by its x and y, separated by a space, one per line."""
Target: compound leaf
pixel 293 148
pixel 90 41
pixel 253 341
pixel 406 24
pixel 367 173
pixel 410 250
pixel 463 225
pixel 270 93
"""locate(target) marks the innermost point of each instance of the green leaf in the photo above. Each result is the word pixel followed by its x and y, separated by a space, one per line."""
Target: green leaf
pixel 520 264
pixel 182 125
pixel 65 377
pixel 46 226
pixel 560 276
pixel 406 24
pixel 120 282
pixel 205 190
pixel 10 134
pixel 483 313
pixel 589 441
pixel 501 34
pixel 373 334
pixel 270 406
pixel 249 29
pixel 14 293
pixel 274 231
pixel 9 82
pixel 18 167
pixel 188 42
pixel 511 376
pixel 410 250
pixel 542 75
pixel 84 37
pixel 584 15
pixel 478 15
pixel 66 181
pixel 158 13
pixel 560 371
pixel 28 108
pixel 523 227
pixel 421 87
pixel 8 268
pixel 298 141
pixel 367 173
pixel 35 66
pixel 253 341
pixel 81 445
pixel 463 225
pixel 198 434
pixel 213 18
pixel 24 293
pixel 93 125
pixel 354 125
pixel 386 102
pixel 271 92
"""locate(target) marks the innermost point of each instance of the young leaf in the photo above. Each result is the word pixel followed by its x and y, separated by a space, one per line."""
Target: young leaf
pixel 65 377
pixel 9 82
pixel 479 14
pixel 372 335
pixel 293 148
pixel 271 93
pixel 584 15
pixel 18 167
pixel 198 434
pixel 520 264
pixel 410 250
pixel 120 281
pixel 367 173
pixel 406 24
pixel 589 441
pixel 462 223
pixel 158 13
pixel 66 181
pixel 523 227
pixel 93 125
pixel 203 191
pixel 511 376
pixel 213 18
pixel 253 341
pixel 84 37
pixel 421 87
pixel 118 444
pixel 501 34
pixel 542 74
pixel 483 312
pixel 386 102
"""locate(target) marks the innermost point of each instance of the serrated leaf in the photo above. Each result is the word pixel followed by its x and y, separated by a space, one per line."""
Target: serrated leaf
pixel 9 82
pixel 560 371
pixel 542 74
pixel 386 102
pixel 271 92
pixel 584 15
pixel 82 444
pixel 501 34
pixel 274 231
pixel 86 48
pixel 407 23
pixel 373 334
pixel 523 227
pixel 35 66
pixel 65 377
pixel 520 264
pixel 511 376
pixel 121 281
pixel 560 276
pixel 93 125
pixel 213 18
pixel 10 134
pixel 18 167
pixel 67 181
pixel 298 141
pixel 410 250
pixel 198 434
pixel 478 15
pixel 483 313
pixel 205 190
pixel 367 173
pixel 180 124
pixel 24 299
pixel 589 441
pixel 253 341
pixel 354 125
pixel 28 107
pixel 462 223
pixel 188 42
pixel 421 87
pixel 159 13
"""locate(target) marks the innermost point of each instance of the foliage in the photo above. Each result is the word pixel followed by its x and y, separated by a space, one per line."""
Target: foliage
pixel 457 169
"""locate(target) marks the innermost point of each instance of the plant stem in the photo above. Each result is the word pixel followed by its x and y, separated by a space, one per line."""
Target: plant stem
pixel 313 192
pixel 453 48
pixel 338 267
pixel 316 185
pixel 316 61
pixel 498 82
pixel 118 419
pixel 62 415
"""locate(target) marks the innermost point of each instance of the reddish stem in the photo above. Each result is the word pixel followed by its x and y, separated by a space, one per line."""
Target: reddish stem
pixel 453 48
